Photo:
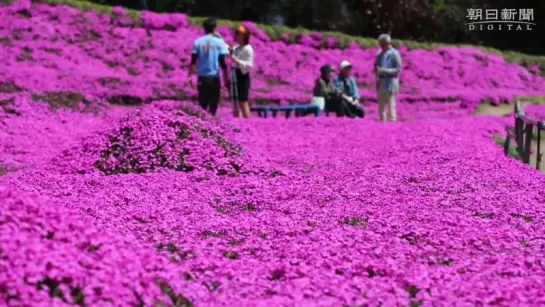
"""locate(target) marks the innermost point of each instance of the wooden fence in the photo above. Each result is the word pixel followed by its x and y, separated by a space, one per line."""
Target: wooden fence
pixel 525 131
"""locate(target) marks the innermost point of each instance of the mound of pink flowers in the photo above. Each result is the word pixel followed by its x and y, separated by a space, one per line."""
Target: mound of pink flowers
pixel 116 189
pixel 162 137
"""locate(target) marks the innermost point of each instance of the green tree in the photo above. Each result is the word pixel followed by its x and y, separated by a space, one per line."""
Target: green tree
pixel 421 20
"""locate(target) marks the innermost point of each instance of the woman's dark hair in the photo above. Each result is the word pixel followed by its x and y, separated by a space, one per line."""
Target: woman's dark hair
pixel 210 25
pixel 245 33
pixel 325 69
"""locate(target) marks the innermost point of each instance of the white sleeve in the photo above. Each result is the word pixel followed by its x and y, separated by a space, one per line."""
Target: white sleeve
pixel 248 62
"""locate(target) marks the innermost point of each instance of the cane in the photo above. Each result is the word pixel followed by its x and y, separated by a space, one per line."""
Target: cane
pixel 233 92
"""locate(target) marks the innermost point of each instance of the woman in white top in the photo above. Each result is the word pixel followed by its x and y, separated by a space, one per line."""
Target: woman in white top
pixel 242 56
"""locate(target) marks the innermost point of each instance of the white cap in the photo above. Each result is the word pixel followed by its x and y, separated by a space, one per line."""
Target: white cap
pixel 344 64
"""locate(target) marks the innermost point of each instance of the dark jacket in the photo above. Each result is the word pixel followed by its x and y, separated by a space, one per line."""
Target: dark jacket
pixel 324 89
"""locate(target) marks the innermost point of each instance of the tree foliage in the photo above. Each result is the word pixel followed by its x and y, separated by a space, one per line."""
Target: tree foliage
pixel 420 20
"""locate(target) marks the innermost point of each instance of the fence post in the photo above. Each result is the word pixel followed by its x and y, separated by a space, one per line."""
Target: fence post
pixel 519 134
pixel 538 154
pixel 518 129
pixel 528 133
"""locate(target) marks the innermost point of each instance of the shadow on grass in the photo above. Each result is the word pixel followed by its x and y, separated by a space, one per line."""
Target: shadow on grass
pixel 511 152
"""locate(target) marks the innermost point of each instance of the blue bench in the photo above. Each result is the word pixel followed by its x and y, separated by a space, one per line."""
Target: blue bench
pixel 297 109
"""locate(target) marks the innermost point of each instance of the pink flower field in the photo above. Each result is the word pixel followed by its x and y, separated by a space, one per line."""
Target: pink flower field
pixel 117 190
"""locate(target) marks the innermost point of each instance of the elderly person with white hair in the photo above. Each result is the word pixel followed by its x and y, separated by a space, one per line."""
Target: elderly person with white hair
pixel 387 68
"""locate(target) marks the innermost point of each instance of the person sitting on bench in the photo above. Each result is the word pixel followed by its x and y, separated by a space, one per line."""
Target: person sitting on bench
pixel 326 96
pixel 346 85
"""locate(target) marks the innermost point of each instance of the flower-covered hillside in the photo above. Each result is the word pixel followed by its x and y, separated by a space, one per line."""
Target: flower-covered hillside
pixel 106 200
pixel 409 219
pixel 61 48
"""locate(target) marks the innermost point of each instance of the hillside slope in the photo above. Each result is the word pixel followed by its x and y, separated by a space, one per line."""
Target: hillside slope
pixel 108 200
pixel 294 35
pixel 108 57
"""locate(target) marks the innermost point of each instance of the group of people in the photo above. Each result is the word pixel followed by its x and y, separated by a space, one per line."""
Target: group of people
pixel 338 94
pixel 209 55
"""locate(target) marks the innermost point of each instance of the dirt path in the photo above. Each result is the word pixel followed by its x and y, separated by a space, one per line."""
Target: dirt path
pixel 506 109
pixel 488 109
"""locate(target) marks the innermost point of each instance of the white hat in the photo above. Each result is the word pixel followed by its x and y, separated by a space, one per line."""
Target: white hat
pixel 344 64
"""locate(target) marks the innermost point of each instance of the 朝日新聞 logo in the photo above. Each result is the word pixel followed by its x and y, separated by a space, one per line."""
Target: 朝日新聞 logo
pixel 500 20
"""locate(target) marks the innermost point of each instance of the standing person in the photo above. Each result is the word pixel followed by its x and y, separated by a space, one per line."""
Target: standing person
pixel 348 89
pixel 387 68
pixel 207 57
pixel 243 61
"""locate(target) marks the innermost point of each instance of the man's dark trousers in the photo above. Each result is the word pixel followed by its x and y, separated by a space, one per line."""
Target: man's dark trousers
pixel 209 89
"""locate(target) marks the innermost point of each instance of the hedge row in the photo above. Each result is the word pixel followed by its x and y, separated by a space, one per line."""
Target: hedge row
pixel 275 33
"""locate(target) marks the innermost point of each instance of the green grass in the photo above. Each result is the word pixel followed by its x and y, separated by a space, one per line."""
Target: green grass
pixel 275 32
pixel 512 151
pixel 541 135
